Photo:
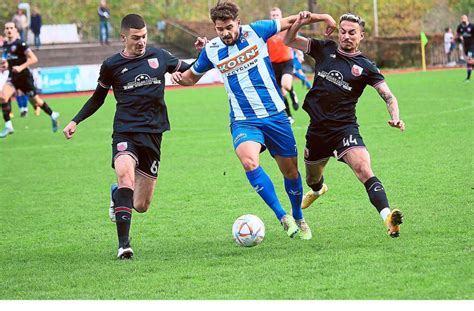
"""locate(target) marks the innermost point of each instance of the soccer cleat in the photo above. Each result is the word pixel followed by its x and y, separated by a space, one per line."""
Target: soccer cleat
pixel 289 225
pixel 125 252
pixel 310 196
pixel 305 230
pixel 5 132
pixel 23 113
pixel 113 188
pixel 54 119
pixel 393 222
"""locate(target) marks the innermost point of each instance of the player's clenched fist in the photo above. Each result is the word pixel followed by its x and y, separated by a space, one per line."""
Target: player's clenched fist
pixel 70 129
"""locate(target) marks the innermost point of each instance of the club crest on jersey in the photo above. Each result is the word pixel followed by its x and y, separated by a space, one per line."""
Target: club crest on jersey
pixel 356 70
pixel 13 48
pixel 153 62
pixel 122 146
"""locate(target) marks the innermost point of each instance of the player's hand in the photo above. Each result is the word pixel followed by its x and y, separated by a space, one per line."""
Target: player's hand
pixel 330 25
pixel 176 77
pixel 397 124
pixel 200 43
pixel 70 129
pixel 3 65
pixel 17 69
pixel 304 18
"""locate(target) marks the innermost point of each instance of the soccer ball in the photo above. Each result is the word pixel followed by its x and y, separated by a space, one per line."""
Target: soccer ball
pixel 248 230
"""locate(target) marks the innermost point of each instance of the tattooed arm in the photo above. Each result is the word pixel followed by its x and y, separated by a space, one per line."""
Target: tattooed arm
pixel 392 106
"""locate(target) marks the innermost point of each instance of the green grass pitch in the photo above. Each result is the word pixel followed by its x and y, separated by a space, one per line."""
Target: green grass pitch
pixel 57 241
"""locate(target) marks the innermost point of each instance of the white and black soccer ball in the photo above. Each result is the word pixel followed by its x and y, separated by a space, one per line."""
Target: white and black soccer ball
pixel 248 230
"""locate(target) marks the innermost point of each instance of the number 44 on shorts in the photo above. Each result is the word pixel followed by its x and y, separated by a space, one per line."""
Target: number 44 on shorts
pixel 347 141
pixel 154 167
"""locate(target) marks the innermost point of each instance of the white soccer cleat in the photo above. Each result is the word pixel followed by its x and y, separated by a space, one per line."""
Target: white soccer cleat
pixel 5 132
pixel 54 120
pixel 125 252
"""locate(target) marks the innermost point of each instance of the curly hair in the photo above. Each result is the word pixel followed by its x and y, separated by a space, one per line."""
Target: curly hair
pixel 224 10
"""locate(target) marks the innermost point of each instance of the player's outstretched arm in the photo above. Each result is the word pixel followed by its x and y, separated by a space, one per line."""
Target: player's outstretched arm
pixel 291 37
pixel 287 22
pixel 306 18
pixel 392 106
pixel 89 108
pixel 186 78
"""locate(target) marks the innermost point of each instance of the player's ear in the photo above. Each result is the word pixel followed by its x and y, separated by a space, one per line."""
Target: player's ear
pixel 122 37
pixel 362 35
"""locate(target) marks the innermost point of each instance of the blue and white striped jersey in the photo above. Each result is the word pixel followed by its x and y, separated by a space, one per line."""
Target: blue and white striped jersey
pixel 247 71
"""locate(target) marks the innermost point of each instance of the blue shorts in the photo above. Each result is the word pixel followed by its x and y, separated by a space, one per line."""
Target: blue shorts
pixel 273 133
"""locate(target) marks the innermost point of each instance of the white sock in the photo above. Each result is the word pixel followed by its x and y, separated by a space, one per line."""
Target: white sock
pixel 319 192
pixel 384 213
pixel 9 124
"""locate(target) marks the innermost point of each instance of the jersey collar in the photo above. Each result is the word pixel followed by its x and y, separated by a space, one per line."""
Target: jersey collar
pixel 132 57
pixel 348 54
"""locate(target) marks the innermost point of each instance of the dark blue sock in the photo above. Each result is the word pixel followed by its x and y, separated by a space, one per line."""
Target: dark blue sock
pixel 294 188
pixel 22 101
pixel 264 187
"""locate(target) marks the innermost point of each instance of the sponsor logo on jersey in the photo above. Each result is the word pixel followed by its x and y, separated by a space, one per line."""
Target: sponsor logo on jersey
pixel 122 146
pixel 214 45
pixel 141 80
pixel 243 61
pixel 153 62
pixel 356 70
pixel 335 77
pixel 332 55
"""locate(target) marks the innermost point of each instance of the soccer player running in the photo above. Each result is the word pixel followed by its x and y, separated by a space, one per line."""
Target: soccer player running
pixel 137 76
pixel 341 74
pixel 281 57
pixel 465 33
pixel 258 120
pixel 18 57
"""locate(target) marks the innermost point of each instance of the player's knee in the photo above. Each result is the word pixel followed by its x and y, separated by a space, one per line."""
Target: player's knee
pixel 249 164
pixel 291 173
pixel 363 170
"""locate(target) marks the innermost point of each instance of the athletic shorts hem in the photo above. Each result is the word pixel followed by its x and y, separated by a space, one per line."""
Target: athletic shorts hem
pixel 145 174
pixel 121 153
pixel 317 161
pixel 340 156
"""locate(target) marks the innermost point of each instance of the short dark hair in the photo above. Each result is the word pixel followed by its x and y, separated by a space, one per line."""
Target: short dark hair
pixel 134 21
pixel 353 18
pixel 224 10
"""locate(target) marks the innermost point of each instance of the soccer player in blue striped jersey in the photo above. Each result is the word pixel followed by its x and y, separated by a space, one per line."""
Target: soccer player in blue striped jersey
pixel 258 119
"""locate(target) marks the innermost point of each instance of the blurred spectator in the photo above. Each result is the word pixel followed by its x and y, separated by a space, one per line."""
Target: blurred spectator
pixel 21 23
pixel 449 44
pixel 36 23
pixel 161 27
pixel 104 15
